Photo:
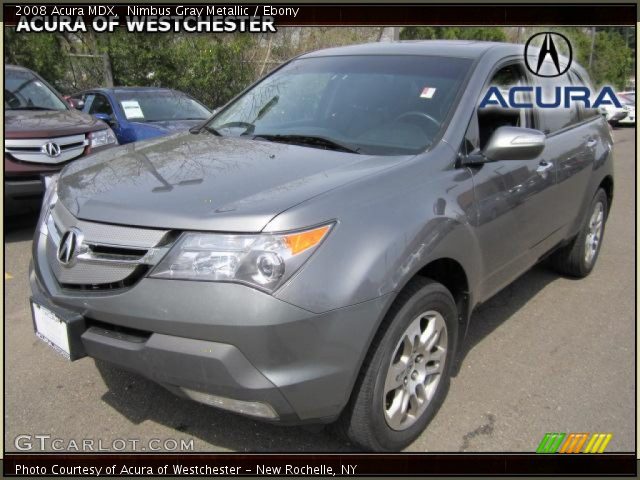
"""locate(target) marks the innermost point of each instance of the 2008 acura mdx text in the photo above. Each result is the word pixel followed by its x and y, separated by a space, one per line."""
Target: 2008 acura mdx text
pixel 314 251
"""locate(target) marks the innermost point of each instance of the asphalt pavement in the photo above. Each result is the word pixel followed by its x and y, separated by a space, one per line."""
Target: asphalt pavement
pixel 547 354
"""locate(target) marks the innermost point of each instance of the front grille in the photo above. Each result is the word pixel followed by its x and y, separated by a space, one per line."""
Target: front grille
pixel 107 257
pixel 33 150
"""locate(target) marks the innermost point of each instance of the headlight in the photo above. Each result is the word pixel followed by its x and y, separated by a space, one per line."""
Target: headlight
pixel 264 261
pixel 49 200
pixel 102 138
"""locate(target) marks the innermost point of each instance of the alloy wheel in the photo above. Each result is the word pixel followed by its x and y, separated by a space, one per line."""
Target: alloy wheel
pixel 415 370
pixel 594 235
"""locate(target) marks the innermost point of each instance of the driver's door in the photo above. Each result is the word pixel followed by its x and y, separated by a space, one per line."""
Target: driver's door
pixel 513 197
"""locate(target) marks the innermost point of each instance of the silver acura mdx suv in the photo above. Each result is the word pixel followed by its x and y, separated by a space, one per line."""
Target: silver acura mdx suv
pixel 313 252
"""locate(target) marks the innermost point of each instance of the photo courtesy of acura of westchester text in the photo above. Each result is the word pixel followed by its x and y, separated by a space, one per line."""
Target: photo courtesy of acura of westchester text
pixel 328 229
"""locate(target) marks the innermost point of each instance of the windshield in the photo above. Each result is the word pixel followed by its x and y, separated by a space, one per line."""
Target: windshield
pixel 25 91
pixel 160 106
pixel 379 105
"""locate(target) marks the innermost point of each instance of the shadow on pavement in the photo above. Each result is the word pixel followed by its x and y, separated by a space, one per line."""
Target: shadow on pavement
pixel 500 308
pixel 140 400
pixel 20 228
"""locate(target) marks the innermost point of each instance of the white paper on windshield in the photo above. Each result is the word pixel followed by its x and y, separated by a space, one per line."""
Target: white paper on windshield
pixel 132 109
pixel 428 92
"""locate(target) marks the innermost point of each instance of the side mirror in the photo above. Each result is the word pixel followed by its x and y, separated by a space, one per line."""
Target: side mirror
pixel 75 103
pixel 105 117
pixel 514 143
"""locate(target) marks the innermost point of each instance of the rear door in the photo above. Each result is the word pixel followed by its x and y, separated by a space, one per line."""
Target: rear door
pixel 572 138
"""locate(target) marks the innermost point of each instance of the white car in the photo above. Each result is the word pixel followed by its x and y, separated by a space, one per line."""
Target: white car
pixel 628 100
pixel 626 115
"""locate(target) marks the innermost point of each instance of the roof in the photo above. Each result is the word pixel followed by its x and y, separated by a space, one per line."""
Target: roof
pixel 451 48
pixel 133 89
pixel 18 67
pixel 472 49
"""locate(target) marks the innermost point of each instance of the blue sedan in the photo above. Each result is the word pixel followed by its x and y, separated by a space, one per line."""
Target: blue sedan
pixel 137 113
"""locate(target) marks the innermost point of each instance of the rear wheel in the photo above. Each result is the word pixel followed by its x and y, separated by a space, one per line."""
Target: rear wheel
pixel 406 375
pixel 579 257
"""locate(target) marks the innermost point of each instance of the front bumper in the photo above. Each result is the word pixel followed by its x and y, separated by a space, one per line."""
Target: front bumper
pixel 223 339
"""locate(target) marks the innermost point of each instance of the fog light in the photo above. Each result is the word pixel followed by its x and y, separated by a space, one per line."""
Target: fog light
pixel 254 409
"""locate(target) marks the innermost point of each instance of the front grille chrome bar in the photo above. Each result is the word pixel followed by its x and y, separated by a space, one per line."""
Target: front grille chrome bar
pixel 34 149
pixel 151 257
pixel 88 253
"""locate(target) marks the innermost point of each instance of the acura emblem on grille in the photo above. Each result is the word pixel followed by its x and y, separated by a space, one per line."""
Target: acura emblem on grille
pixel 51 149
pixel 70 245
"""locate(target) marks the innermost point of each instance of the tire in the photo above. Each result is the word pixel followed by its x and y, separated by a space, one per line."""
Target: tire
pixel 368 421
pixel 579 257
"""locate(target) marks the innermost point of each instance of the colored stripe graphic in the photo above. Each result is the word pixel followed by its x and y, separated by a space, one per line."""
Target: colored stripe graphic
pixel 598 443
pixel 573 442
pixel 550 443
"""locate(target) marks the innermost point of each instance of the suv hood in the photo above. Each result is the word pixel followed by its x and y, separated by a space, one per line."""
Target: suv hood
pixel 48 123
pixel 204 182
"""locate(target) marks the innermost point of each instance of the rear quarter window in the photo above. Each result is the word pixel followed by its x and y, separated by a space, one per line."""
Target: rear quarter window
pixel 585 113
pixel 555 119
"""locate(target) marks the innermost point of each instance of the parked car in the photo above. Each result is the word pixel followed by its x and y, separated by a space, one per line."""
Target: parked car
pixel 629 95
pixel 314 252
pixel 138 113
pixel 628 100
pixel 625 115
pixel 41 135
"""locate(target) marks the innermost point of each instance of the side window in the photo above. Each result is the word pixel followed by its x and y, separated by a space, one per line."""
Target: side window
pixel 554 119
pixel 584 112
pixel 491 118
pixel 100 104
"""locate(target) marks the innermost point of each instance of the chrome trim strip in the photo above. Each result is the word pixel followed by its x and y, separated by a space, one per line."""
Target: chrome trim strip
pixel 71 147
pixel 39 142
pixel 151 256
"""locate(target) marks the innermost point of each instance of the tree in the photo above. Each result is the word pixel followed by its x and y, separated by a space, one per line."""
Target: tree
pixel 612 61
pixel 38 51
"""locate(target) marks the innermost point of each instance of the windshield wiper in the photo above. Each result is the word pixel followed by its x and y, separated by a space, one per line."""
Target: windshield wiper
pixel 310 140
pixel 198 128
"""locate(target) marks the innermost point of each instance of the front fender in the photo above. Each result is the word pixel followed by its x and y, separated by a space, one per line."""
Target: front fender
pixel 387 228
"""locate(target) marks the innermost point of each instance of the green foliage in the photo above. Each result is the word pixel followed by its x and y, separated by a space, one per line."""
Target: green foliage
pixel 38 51
pixel 612 62
pixel 205 66
pixel 213 68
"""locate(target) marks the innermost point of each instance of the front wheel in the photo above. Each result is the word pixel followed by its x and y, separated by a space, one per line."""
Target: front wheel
pixel 406 375
pixel 579 257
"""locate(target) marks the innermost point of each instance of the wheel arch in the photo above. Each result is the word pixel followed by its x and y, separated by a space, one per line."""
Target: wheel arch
pixel 607 185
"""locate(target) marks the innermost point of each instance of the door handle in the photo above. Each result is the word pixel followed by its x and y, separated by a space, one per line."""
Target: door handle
pixel 543 168
pixel 592 143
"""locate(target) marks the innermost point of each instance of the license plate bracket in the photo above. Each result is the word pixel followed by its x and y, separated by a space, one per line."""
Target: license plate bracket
pixel 61 330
